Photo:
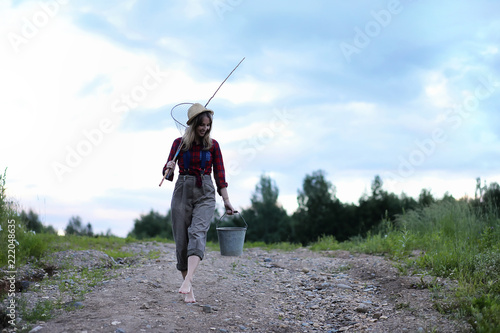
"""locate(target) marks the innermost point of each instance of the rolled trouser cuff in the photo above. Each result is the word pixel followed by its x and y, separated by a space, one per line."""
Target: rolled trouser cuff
pixel 193 252
pixel 196 252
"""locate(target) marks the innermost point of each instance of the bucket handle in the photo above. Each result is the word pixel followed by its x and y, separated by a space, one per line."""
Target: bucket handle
pixel 235 212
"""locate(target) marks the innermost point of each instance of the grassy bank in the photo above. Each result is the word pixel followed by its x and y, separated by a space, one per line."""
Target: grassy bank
pixel 452 240
pixel 30 246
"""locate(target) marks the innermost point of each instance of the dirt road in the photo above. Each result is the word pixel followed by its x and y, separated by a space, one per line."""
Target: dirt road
pixel 259 291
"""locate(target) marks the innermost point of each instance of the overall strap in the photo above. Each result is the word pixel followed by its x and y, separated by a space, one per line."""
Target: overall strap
pixel 186 156
pixel 204 158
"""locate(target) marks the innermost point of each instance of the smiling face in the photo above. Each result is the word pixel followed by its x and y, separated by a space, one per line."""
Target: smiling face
pixel 203 126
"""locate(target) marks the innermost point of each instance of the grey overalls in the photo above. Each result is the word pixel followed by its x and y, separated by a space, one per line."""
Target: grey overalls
pixel 192 211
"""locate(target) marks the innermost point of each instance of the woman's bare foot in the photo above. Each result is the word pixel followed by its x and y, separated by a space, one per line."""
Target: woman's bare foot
pixel 190 297
pixel 185 287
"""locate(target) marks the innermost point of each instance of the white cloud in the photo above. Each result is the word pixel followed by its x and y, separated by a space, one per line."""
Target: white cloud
pixel 437 90
pixel 194 9
pixel 47 114
pixel 175 45
pixel 252 91
pixel 490 50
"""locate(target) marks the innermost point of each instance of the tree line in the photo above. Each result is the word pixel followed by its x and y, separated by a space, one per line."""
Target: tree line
pixel 75 226
pixel 319 213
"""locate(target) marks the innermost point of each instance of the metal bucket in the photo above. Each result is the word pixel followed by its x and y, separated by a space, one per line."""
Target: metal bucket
pixel 231 239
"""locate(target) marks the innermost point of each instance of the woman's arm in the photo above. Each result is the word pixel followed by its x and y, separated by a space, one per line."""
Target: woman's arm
pixel 227 203
pixel 171 164
pixel 218 167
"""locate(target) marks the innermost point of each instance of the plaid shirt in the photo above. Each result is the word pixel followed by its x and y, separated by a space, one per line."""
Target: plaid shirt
pixel 215 161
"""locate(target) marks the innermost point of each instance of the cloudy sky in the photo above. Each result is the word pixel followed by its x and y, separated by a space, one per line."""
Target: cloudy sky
pixel 407 90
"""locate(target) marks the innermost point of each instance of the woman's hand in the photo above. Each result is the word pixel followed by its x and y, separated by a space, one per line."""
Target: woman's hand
pixel 227 204
pixel 229 207
pixel 171 165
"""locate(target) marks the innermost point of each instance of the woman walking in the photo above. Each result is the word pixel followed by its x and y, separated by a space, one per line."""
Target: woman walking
pixel 193 200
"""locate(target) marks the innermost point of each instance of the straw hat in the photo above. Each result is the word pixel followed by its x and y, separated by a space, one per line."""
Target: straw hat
pixel 195 110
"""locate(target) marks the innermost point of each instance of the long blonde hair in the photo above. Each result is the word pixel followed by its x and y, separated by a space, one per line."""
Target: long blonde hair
pixel 190 135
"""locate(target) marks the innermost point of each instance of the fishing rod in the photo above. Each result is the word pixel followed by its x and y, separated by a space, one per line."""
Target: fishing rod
pixel 224 81
pixel 169 170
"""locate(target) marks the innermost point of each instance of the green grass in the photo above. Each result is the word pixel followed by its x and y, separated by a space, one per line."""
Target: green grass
pixel 283 246
pixel 18 244
pixel 29 246
pixel 458 241
pixel 108 245
pixel 76 283
pixel 325 243
pixel 154 254
pixel 42 311
pixel 32 246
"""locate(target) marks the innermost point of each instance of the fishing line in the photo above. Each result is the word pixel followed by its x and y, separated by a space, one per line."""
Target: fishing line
pixel 182 108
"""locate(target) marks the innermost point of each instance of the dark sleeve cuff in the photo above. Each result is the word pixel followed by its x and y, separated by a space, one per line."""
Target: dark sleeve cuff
pixel 219 188
pixel 171 177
